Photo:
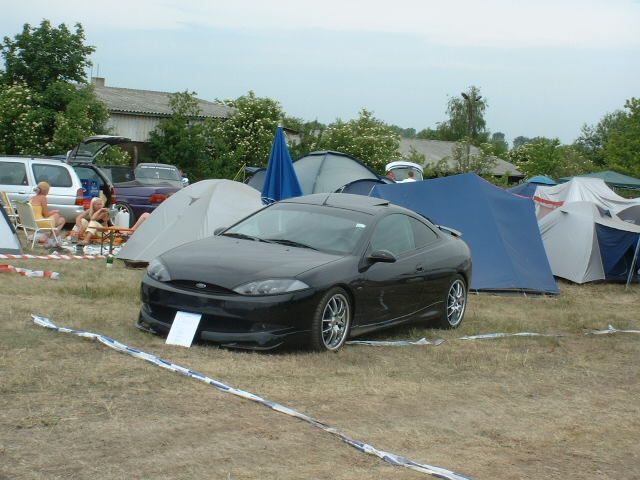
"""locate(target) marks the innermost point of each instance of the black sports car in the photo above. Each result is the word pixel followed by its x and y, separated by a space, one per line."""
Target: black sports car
pixel 313 270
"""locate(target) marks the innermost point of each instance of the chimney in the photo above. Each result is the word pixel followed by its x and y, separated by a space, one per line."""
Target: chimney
pixel 97 81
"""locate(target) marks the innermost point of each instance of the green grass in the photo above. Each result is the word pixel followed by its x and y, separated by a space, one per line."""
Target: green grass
pixel 560 408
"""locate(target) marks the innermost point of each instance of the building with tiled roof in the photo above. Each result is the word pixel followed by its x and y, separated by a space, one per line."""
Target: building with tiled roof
pixel 135 113
pixel 435 151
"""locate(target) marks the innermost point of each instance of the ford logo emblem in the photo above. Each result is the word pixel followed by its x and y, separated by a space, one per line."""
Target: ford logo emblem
pixel 201 285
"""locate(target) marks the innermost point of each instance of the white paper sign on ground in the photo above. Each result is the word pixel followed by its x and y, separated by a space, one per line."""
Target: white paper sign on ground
pixel 183 329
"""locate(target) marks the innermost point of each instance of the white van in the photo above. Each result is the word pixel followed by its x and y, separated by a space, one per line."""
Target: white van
pixel 20 175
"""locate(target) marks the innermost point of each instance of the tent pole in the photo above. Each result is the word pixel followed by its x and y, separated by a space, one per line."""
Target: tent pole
pixel 633 264
pixel 240 172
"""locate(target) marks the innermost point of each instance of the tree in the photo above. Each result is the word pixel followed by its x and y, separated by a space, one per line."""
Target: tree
pixel 430 170
pixel 179 140
pixel 245 138
pixel 466 118
pixel 500 145
pixel 365 138
pixel 429 134
pixel 622 146
pixel 41 111
pixel 481 162
pixel 593 138
pixel 404 132
pixel 306 136
pixel 40 56
pixel 520 141
pixel 544 156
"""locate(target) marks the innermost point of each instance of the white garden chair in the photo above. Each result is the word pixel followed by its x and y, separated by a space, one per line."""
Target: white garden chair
pixel 9 208
pixel 28 222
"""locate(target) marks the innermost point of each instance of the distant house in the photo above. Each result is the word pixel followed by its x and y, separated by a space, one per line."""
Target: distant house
pixel 136 113
pixel 436 150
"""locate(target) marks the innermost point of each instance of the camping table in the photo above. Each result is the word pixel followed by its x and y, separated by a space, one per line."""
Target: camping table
pixel 110 233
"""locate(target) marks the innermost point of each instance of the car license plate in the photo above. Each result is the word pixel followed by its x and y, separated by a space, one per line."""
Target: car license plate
pixel 183 329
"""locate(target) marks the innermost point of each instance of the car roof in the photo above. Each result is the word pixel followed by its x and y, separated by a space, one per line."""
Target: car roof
pixel 17 158
pixel 347 201
pixel 403 163
pixel 158 165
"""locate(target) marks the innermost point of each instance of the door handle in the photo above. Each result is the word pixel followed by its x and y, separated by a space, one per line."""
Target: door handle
pixel 419 268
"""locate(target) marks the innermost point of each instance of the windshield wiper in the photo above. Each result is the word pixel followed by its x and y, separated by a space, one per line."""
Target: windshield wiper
pixel 243 236
pixel 291 243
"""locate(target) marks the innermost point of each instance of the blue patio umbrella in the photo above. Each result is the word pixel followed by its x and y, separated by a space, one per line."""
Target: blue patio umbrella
pixel 280 181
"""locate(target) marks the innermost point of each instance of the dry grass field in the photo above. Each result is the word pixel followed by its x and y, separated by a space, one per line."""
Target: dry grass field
pixel 531 408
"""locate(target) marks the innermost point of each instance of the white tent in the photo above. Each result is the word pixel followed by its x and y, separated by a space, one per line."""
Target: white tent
pixel 9 243
pixel 579 189
pixel 191 214
pixel 585 243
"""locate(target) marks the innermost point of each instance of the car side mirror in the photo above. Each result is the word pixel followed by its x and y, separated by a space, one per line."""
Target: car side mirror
pixel 383 256
pixel 218 231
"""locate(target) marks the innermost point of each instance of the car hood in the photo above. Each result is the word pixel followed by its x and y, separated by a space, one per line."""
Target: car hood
pixel 229 262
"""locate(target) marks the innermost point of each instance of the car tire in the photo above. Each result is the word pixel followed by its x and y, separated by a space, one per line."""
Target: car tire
pixel 331 321
pixel 126 208
pixel 455 303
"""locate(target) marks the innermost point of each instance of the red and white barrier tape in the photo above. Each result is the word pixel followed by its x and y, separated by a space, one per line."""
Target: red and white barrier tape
pixel 25 272
pixel 51 257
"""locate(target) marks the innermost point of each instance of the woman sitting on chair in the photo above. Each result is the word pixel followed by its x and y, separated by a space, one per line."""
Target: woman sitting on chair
pixel 88 222
pixel 45 217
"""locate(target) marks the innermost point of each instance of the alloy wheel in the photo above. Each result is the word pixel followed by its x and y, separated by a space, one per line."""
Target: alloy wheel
pixel 456 302
pixel 335 321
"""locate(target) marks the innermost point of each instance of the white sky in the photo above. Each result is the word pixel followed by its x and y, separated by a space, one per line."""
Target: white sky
pixel 590 50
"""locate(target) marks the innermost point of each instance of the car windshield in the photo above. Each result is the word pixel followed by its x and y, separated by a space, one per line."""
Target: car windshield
pixel 402 173
pixel 118 174
pixel 322 228
pixel 158 173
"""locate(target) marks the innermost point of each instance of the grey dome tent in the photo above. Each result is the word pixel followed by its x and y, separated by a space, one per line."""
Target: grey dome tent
pixel 585 243
pixel 191 214
pixel 9 243
pixel 325 172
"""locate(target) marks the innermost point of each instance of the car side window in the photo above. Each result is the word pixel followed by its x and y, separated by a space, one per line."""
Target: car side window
pixel 393 233
pixel 54 175
pixel 422 234
pixel 13 173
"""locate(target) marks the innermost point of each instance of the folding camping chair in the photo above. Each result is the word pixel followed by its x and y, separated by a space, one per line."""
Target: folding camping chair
pixel 11 211
pixel 28 222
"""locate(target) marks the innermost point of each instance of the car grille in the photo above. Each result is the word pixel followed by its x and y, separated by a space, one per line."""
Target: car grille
pixel 208 288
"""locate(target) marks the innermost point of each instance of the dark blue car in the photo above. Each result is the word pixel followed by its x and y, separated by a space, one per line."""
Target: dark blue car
pixel 133 191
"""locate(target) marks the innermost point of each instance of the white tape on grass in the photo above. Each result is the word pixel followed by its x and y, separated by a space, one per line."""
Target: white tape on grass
pixel 504 335
pixel 484 336
pixel 388 457
pixel 610 330
pixel 396 343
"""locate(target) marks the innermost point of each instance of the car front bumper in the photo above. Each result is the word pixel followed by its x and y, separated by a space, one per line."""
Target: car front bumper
pixel 233 320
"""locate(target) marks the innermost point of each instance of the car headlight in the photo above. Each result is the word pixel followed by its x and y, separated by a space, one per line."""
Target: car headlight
pixel 272 286
pixel 158 271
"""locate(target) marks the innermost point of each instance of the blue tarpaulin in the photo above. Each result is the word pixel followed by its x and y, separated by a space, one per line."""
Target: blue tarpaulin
pixel 528 188
pixel 500 229
pixel 280 181
pixel 616 249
